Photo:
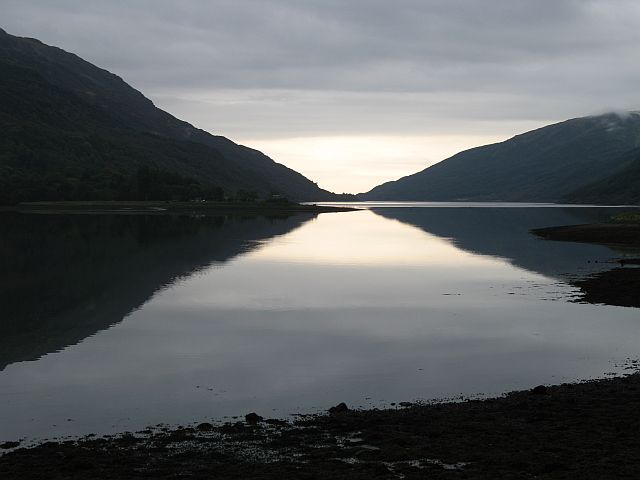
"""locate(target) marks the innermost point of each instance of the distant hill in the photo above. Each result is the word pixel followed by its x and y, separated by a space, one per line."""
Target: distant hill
pixel 545 165
pixel 72 131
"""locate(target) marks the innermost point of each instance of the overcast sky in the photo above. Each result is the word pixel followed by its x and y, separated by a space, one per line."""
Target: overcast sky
pixel 352 93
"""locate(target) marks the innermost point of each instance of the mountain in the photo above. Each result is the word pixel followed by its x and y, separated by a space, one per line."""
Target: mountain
pixel 621 188
pixel 542 165
pixel 70 130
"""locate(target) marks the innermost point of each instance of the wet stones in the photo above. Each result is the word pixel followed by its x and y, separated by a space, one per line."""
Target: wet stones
pixel 540 390
pixel 340 408
pixel 253 418
pixel 8 445
pixel 204 427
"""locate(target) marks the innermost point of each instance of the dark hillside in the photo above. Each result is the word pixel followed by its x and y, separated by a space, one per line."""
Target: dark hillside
pixel 72 131
pixel 542 165
pixel 620 188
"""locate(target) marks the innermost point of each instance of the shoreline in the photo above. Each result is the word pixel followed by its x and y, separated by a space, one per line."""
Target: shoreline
pixel 618 286
pixel 167 208
pixel 615 234
pixel 576 430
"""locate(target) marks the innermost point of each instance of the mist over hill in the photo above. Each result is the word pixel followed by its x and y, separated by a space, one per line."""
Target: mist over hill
pixel 70 130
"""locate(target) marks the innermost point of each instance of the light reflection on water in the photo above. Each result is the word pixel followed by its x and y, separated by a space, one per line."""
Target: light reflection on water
pixel 294 315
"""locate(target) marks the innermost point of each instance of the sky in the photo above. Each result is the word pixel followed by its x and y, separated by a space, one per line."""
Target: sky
pixel 353 93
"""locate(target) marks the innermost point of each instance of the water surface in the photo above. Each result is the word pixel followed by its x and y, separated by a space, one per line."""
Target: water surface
pixel 112 323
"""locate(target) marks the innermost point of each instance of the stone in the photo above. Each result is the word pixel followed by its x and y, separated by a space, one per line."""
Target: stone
pixel 340 408
pixel 253 418
pixel 204 427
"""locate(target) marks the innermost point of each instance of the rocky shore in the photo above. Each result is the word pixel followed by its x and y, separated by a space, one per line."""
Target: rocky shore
pixel 619 286
pixel 586 430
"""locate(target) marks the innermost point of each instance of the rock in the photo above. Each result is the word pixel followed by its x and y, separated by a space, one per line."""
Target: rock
pixel 405 404
pixel 340 408
pixel 204 427
pixel 253 418
pixel 276 422
pixel 540 390
pixel 234 428
pixel 8 445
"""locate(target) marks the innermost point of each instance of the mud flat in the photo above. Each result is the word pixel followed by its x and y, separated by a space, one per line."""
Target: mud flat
pixel 586 430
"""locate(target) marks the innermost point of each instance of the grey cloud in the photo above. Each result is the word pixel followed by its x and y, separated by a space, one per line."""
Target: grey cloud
pixel 355 65
pixel 329 44
pixel 302 113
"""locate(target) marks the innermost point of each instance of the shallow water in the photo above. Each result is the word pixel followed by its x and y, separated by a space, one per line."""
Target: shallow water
pixel 113 323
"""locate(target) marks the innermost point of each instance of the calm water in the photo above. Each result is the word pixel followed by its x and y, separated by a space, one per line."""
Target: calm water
pixel 113 323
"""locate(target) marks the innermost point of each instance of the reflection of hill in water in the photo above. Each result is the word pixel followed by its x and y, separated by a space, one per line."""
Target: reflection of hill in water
pixel 504 233
pixel 66 277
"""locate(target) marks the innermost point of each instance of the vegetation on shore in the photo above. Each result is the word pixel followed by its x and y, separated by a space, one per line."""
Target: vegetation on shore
pixel 632 218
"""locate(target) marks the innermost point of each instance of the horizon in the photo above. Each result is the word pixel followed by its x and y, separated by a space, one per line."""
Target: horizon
pixel 335 99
